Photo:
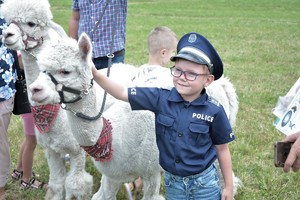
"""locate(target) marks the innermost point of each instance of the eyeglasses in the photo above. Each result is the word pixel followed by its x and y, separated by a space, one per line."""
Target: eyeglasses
pixel 188 75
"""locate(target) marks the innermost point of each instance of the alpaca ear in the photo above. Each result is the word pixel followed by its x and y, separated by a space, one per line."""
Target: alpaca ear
pixel 85 50
pixel 60 31
pixel 85 46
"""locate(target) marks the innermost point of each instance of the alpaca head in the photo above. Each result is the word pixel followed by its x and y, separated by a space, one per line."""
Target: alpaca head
pixel 69 64
pixel 28 22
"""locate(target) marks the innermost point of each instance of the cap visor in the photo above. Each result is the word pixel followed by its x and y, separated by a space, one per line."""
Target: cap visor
pixel 190 57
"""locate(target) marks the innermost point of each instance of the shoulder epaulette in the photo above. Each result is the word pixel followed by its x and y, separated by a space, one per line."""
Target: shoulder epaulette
pixel 213 101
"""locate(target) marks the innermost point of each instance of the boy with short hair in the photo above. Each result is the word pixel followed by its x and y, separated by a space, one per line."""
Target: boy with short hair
pixel 162 42
pixel 192 129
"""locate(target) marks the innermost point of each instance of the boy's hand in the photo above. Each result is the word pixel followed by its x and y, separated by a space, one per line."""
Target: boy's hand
pixel 227 195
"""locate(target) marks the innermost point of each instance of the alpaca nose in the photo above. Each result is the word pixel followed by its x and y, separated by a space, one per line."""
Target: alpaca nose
pixel 34 89
pixel 7 34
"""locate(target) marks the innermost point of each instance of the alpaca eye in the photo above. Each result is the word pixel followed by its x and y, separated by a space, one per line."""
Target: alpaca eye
pixel 31 24
pixel 65 72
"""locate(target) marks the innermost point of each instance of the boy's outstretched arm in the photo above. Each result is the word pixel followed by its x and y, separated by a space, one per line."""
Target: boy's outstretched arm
pixel 114 88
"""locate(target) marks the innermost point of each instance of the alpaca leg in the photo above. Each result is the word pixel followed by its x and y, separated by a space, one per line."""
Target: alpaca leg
pixel 57 175
pixel 79 183
pixel 151 186
pixel 108 189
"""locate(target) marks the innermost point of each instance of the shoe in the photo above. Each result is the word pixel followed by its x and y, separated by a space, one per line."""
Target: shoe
pixel 33 184
pixel 16 175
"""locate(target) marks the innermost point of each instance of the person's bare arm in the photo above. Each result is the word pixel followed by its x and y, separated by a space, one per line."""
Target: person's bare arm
pixel 114 88
pixel 293 159
pixel 224 158
pixel 74 24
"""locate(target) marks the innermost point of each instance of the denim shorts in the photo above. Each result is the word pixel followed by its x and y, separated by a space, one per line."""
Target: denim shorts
pixel 202 186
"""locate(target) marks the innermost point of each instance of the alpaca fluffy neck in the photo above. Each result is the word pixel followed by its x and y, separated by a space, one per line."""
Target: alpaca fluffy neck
pixel 30 67
pixel 85 131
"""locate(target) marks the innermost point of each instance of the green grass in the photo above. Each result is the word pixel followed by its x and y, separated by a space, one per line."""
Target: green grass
pixel 259 42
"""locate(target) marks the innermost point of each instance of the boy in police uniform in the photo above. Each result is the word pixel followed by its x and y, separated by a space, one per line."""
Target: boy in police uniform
pixel 192 129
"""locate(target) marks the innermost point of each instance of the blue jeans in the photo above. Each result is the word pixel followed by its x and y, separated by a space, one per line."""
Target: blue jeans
pixel 203 186
pixel 102 62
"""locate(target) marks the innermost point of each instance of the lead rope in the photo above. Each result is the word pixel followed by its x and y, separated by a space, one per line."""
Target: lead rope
pixel 110 55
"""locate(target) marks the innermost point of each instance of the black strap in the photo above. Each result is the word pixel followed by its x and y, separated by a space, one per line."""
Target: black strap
pixel 17 66
pixel 110 55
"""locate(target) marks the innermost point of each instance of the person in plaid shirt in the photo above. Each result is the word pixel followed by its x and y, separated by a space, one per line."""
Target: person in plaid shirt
pixel 87 17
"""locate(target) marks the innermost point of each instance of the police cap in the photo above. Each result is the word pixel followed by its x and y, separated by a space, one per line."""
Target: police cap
pixel 196 48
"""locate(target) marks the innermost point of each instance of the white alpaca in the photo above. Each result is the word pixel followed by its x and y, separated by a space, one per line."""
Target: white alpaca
pixel 132 151
pixel 31 27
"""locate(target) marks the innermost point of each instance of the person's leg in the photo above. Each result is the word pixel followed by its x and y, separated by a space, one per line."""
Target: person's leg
pixel 137 184
pixel 19 167
pixel 5 116
pixel 18 172
pixel 27 129
pixel 27 157
pixel 27 153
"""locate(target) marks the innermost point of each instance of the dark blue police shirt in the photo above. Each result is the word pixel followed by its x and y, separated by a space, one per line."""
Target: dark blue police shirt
pixel 186 132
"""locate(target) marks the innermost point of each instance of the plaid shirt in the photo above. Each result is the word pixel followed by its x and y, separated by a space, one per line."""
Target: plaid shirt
pixel 90 13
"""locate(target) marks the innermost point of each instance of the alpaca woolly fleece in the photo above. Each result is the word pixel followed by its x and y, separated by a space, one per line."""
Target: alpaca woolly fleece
pixel 37 11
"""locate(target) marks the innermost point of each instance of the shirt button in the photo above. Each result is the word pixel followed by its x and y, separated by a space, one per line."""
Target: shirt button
pixel 177 161
pixel 179 134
